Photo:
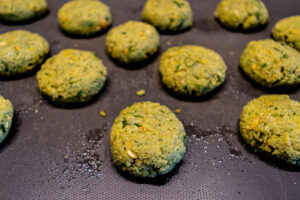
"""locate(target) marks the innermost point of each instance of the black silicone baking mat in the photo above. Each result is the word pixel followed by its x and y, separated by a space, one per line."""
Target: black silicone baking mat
pixel 57 153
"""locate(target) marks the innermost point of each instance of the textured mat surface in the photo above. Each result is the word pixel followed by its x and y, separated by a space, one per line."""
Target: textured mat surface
pixel 56 153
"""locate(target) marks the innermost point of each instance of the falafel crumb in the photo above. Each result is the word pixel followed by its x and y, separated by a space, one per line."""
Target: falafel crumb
pixel 177 111
pixel 102 113
pixel 141 93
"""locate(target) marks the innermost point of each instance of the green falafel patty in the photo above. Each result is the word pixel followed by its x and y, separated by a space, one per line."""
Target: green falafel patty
pixel 84 17
pixel 6 116
pixel 247 14
pixel 132 42
pixel 271 64
pixel 21 51
pixel 168 15
pixel 21 10
pixel 288 30
pixel 147 140
pixel 192 70
pixel 72 76
pixel 271 124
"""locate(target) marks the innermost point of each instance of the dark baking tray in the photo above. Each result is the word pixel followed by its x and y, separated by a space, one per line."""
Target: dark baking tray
pixel 57 153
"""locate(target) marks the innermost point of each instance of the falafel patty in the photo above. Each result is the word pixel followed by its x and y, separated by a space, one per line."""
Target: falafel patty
pixel 6 116
pixel 72 76
pixel 132 42
pixel 271 64
pixel 84 17
pixel 168 15
pixel 270 124
pixel 21 51
pixel 192 70
pixel 147 140
pixel 287 30
pixel 247 14
pixel 21 10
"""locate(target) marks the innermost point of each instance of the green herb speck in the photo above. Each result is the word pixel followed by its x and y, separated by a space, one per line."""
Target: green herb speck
pixel 131 49
pixel 178 4
pixel 181 23
pixel 184 138
pixel 3 129
pixel 125 123
pixel 178 68
pixel 186 87
pixel 137 125
pixel 189 62
pixel 139 116
pixel 79 93
pixel 263 65
pixel 198 87
pixel 72 82
pixel 258 16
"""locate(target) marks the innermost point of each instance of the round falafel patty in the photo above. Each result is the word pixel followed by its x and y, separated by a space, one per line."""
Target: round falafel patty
pixel 21 51
pixel 247 14
pixel 72 76
pixel 147 140
pixel 132 42
pixel 84 17
pixel 192 70
pixel 6 116
pixel 21 10
pixel 168 15
pixel 271 64
pixel 288 30
pixel 270 124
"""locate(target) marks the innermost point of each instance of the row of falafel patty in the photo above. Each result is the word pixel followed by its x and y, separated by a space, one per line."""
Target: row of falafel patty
pixel 190 70
pixel 147 139
pixel 87 17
